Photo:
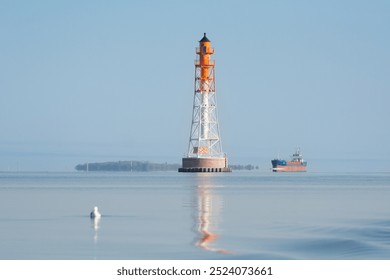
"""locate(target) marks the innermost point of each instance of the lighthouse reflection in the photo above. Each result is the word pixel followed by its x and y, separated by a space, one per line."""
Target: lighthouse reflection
pixel 209 206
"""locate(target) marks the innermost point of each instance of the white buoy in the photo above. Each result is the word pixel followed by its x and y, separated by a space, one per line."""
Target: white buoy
pixel 95 213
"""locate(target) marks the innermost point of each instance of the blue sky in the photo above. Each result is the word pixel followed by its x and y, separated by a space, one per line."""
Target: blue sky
pixel 113 80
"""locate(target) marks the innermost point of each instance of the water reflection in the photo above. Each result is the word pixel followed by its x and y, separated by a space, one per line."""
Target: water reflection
pixel 95 224
pixel 208 208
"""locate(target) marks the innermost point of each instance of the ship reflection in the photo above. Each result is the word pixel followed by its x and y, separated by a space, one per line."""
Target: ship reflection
pixel 208 213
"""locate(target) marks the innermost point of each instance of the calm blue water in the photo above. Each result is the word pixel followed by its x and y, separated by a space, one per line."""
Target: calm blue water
pixel 167 215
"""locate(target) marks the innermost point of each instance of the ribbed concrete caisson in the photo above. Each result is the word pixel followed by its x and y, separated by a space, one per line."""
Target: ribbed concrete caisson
pixel 204 165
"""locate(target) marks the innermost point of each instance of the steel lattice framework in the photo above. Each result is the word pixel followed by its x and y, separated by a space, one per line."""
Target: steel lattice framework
pixel 205 139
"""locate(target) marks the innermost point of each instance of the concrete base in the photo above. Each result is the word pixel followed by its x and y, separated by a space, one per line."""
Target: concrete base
pixel 204 165
pixel 225 169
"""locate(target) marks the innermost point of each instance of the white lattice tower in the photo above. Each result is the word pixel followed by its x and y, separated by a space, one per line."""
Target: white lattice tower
pixel 205 148
pixel 204 136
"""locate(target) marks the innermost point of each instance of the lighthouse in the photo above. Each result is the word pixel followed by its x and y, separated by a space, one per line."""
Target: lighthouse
pixel 205 148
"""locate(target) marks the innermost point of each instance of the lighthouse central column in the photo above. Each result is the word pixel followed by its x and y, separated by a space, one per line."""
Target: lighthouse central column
pixel 205 120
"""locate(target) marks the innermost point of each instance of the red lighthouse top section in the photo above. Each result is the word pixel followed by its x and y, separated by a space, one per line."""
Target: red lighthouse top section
pixel 205 62
pixel 204 39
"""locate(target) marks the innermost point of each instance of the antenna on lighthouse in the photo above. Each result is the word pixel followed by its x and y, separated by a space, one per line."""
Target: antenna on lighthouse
pixel 205 148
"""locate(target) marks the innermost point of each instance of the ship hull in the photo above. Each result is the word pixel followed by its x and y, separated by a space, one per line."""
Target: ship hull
pixel 288 166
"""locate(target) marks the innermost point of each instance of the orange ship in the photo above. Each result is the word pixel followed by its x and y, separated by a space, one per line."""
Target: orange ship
pixel 296 164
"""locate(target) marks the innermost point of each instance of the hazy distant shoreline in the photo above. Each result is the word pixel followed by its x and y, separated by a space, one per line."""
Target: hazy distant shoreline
pixel 142 166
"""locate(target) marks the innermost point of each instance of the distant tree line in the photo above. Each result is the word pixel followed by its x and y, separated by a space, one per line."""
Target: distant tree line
pixel 244 167
pixel 142 166
pixel 126 166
